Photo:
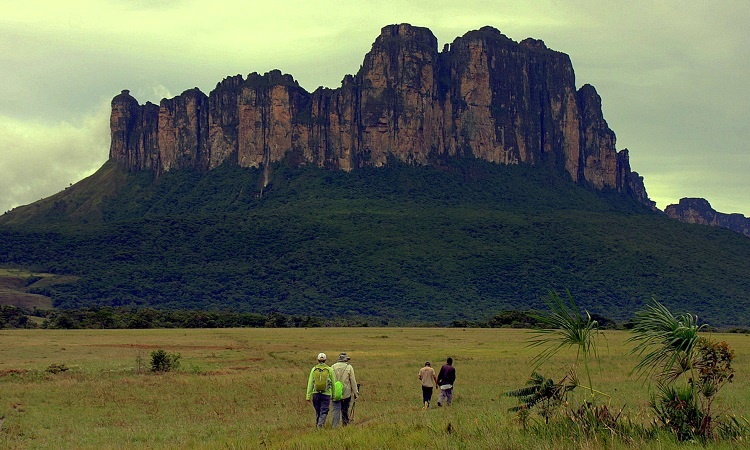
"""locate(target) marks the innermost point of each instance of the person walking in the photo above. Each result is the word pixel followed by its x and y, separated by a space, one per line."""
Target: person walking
pixel 445 379
pixel 429 381
pixel 344 372
pixel 319 386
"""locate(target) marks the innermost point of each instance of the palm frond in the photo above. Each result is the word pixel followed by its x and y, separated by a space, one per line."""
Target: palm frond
pixel 664 342
pixel 534 384
pixel 540 389
pixel 564 326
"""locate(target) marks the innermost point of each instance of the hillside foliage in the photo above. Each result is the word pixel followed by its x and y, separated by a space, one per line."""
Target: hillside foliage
pixel 460 241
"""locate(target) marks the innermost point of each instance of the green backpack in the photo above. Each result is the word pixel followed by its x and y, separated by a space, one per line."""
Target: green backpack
pixel 338 390
pixel 320 378
pixel 338 386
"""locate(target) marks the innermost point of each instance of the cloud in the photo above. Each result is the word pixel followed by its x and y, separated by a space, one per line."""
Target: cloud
pixel 160 91
pixel 41 159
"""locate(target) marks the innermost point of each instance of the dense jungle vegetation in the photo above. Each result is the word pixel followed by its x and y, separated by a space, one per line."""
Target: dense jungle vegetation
pixel 401 245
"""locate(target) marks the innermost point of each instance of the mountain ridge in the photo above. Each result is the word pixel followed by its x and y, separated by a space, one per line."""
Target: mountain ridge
pixel 484 95
pixel 699 211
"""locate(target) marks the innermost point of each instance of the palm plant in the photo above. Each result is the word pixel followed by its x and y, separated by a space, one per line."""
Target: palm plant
pixel 543 392
pixel 564 326
pixel 666 343
pixel 677 410
pixel 671 348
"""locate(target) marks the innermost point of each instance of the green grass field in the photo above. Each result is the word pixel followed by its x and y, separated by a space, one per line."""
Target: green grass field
pixel 245 388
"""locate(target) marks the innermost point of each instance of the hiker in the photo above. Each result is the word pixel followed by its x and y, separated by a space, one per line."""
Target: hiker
pixel 344 372
pixel 319 386
pixel 445 379
pixel 429 381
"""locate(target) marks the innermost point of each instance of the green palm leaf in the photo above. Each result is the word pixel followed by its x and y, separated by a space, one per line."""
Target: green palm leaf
pixel 541 389
pixel 564 326
pixel 664 342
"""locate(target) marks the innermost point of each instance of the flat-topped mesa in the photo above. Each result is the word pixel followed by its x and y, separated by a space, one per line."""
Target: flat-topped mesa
pixel 699 211
pixel 400 113
pixel 483 96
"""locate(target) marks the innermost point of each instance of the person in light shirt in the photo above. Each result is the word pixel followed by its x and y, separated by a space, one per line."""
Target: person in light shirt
pixel 344 372
pixel 429 381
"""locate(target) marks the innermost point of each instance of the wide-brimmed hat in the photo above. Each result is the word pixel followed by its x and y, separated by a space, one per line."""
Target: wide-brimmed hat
pixel 343 357
pixel 322 357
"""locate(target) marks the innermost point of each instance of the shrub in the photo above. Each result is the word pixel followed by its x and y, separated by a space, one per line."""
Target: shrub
pixel 565 326
pixel 689 370
pixel 162 361
pixel 56 368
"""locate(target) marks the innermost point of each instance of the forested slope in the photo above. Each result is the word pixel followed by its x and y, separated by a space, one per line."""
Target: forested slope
pixel 404 245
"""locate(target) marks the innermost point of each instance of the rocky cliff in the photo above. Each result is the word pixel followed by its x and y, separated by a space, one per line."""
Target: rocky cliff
pixel 698 210
pixel 483 96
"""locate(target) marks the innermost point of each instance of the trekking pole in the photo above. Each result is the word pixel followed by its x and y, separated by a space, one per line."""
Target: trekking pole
pixel 354 403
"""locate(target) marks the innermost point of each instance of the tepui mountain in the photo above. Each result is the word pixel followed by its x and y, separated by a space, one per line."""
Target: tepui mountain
pixel 483 96
pixel 431 186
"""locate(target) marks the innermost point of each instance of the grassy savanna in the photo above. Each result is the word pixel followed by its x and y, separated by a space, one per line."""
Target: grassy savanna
pixel 244 388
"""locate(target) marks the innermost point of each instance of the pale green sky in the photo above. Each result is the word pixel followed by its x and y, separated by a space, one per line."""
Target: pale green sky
pixel 673 75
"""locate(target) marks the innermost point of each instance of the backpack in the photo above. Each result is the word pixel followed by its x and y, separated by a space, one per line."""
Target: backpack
pixel 338 390
pixel 320 378
pixel 338 386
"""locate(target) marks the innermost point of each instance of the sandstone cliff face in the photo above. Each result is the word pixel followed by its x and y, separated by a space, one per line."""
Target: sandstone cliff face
pixel 598 154
pixel 698 210
pixel 183 131
pixel 134 128
pixel 484 96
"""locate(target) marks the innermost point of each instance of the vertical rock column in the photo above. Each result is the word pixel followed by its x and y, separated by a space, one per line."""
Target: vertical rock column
pixel 122 122
pixel 598 152
pixel 183 131
pixel 399 109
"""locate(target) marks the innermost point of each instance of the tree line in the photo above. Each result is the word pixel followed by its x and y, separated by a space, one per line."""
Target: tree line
pixel 105 317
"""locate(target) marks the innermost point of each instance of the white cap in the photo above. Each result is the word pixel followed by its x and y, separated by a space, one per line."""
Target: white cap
pixel 322 357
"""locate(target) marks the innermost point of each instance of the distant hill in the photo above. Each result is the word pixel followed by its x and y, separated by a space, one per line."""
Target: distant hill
pixel 16 284
pixel 461 240
pixel 80 203
pixel 698 210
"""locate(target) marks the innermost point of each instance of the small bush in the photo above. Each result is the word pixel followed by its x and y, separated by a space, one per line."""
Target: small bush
pixel 56 368
pixel 162 361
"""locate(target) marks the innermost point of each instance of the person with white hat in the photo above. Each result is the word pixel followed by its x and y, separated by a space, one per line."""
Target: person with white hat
pixel 319 387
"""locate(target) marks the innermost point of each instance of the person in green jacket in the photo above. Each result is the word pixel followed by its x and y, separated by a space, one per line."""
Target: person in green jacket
pixel 319 389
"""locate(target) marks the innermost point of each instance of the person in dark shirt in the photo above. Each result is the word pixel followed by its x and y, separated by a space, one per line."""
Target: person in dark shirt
pixel 445 379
